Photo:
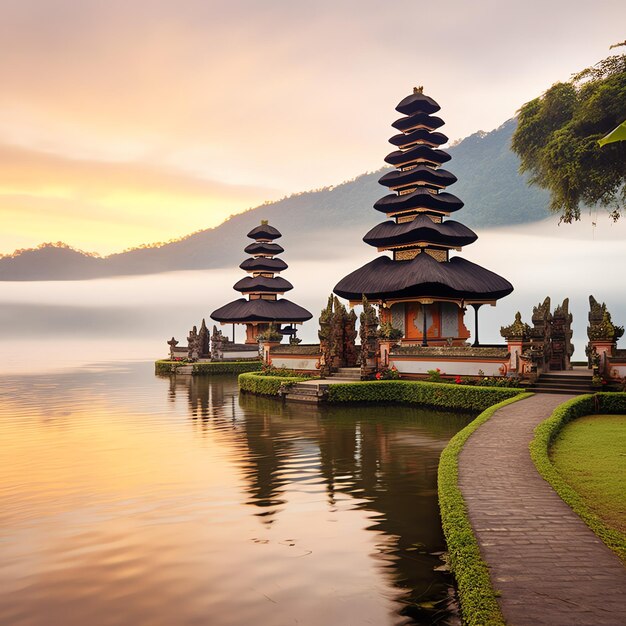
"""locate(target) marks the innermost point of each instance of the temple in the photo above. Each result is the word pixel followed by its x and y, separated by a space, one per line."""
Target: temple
pixel 420 289
pixel 263 307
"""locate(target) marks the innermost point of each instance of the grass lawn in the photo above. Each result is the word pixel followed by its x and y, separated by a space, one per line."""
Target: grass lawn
pixel 590 454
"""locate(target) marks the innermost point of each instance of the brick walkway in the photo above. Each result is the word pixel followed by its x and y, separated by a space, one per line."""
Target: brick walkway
pixel 548 565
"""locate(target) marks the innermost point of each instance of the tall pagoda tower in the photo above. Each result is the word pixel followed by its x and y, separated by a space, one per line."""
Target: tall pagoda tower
pixel 420 289
pixel 262 288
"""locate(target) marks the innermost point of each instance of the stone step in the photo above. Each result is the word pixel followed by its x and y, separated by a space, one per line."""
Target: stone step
pixel 353 373
pixel 304 391
pixel 573 377
pixel 569 390
pixel 299 397
pixel 564 383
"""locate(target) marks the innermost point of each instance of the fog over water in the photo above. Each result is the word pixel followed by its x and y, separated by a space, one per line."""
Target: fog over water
pixel 60 324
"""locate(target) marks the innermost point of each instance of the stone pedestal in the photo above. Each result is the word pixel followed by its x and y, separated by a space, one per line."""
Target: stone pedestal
pixel 384 347
pixel 603 350
pixel 266 347
pixel 516 348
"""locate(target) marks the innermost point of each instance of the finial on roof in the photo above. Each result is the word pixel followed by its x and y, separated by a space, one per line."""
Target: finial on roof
pixel 419 89
pixel 264 222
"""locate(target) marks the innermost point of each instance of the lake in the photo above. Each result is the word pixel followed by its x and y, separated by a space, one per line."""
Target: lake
pixel 132 499
pixel 128 498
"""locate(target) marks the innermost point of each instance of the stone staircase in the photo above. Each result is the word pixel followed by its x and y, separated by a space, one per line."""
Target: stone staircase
pixel 306 392
pixel 572 382
pixel 314 391
pixel 347 373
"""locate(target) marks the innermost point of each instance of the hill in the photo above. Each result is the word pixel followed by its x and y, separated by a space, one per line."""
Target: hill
pixel 320 222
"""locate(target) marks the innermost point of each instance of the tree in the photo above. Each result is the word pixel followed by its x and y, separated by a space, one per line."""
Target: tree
pixel 557 140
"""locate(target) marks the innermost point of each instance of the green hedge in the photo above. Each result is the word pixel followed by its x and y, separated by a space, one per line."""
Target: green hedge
pixel 476 593
pixel 266 385
pixel 546 433
pixel 437 395
pixel 216 367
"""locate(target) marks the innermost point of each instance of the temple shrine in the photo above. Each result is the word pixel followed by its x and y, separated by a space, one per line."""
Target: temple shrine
pixel 263 307
pixel 420 289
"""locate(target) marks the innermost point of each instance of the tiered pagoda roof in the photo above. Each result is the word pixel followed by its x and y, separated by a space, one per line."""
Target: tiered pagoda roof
pixel 419 235
pixel 262 286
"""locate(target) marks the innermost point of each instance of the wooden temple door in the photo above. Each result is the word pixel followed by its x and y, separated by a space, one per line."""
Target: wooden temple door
pixel 414 321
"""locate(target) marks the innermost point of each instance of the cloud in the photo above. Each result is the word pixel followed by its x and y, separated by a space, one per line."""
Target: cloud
pixel 271 95
pixel 108 205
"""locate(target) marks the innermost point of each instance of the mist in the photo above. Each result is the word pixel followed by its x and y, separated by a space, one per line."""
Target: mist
pixel 74 323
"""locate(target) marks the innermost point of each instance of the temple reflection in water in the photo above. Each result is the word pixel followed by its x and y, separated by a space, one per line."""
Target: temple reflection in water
pixel 378 459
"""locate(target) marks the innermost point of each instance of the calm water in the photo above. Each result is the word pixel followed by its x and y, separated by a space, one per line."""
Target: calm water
pixel 132 499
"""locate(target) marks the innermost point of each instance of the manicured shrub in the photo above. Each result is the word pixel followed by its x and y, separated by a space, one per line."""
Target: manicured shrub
pixel 211 368
pixel 266 385
pixel 437 395
pixel 611 403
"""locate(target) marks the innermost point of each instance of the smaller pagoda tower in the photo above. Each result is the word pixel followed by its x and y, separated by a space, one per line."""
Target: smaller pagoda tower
pixel 262 288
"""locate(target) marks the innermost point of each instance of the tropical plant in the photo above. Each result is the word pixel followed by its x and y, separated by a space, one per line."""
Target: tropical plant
pixel 557 140
pixel 270 334
pixel 434 376
pixel 387 331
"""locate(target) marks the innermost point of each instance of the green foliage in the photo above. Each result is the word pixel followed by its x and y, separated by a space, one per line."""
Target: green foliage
pixel 212 368
pixel 387 331
pixel 479 606
pixel 557 140
pixel 434 376
pixel 226 367
pixel 270 334
pixel 266 385
pixel 498 381
pixel 546 433
pixel 437 395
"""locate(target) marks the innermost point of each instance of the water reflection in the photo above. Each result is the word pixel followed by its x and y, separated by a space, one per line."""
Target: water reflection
pixel 130 499
pixel 379 459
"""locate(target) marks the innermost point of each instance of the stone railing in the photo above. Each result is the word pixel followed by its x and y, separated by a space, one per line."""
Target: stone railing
pixel 450 360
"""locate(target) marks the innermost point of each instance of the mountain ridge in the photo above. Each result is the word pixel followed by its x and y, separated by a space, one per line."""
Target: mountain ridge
pixel 495 194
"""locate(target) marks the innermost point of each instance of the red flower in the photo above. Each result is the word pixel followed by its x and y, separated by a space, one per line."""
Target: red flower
pixel 378 374
pixel 438 370
pixel 457 380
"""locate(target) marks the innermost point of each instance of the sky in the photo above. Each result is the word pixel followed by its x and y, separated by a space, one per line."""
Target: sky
pixel 132 122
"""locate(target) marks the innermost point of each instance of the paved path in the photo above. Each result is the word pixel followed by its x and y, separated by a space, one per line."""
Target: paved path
pixel 549 566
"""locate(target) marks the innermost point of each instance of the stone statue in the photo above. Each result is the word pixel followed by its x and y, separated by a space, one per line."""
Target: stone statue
pixel 217 344
pixel 369 339
pixel 516 330
pixel 349 339
pixel 172 343
pixel 601 328
pixel 337 336
pixel 561 337
pixel 204 342
pixel 193 344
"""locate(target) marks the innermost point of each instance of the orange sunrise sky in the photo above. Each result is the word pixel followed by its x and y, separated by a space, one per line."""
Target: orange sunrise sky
pixel 131 122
